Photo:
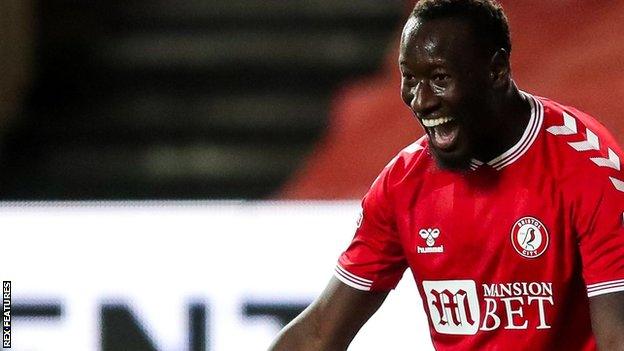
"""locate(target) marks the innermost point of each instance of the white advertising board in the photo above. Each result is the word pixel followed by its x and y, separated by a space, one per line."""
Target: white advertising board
pixel 86 262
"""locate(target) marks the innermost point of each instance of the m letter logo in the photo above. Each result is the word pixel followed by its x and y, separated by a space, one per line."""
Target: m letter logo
pixel 453 306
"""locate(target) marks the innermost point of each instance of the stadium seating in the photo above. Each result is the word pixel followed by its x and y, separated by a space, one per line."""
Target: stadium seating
pixel 185 99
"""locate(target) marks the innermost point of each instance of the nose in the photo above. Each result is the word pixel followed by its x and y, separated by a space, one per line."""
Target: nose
pixel 424 100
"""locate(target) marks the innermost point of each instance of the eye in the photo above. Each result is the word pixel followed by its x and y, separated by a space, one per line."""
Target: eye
pixel 408 76
pixel 440 77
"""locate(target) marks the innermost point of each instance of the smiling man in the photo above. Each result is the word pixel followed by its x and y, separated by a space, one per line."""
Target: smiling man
pixel 509 211
pixel 465 63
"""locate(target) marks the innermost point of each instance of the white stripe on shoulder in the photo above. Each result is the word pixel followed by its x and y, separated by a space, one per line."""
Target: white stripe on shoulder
pixel 605 287
pixel 351 279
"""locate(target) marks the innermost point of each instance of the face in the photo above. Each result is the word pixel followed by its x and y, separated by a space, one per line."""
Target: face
pixel 445 83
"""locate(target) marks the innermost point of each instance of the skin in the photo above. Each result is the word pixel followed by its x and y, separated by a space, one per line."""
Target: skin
pixel 446 72
pixel 607 318
pixel 331 321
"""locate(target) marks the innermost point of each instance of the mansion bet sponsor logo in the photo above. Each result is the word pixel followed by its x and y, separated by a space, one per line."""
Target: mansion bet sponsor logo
pixel 455 308
pixel 529 237
pixel 430 235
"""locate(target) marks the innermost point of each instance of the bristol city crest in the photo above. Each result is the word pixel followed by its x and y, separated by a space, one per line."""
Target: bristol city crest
pixel 529 237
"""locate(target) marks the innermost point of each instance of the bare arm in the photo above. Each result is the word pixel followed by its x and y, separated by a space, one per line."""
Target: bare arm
pixel 607 316
pixel 331 321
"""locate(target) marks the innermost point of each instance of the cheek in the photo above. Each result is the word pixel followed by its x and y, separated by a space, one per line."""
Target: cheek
pixel 462 98
pixel 406 94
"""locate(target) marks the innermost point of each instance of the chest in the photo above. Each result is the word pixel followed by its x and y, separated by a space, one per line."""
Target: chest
pixel 465 228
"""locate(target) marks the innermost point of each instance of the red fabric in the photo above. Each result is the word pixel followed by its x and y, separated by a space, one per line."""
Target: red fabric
pixel 505 255
pixel 570 50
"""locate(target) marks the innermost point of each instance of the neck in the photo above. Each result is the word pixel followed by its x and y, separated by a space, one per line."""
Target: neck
pixel 512 111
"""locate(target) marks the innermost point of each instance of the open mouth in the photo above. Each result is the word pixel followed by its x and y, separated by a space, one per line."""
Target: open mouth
pixel 443 132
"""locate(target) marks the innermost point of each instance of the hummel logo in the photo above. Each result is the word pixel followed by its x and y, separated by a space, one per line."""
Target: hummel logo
pixel 430 235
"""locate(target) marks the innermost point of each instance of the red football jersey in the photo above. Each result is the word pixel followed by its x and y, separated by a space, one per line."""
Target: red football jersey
pixel 506 254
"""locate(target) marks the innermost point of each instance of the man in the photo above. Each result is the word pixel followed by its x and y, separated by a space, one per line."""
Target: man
pixel 509 212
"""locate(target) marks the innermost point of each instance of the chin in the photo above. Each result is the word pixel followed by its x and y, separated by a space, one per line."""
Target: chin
pixel 455 161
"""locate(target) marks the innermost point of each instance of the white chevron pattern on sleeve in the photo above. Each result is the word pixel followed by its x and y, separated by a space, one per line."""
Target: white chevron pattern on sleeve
pixel 612 162
pixel 568 127
pixel 618 184
pixel 591 143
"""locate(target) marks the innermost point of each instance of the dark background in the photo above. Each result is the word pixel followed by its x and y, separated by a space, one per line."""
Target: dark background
pixel 182 99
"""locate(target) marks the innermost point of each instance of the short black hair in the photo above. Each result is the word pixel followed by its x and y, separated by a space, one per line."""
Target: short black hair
pixel 486 16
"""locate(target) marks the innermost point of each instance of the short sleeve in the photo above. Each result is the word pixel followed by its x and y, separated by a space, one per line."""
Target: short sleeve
pixel 374 261
pixel 601 235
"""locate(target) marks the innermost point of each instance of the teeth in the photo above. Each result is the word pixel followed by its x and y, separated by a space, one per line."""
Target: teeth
pixel 429 123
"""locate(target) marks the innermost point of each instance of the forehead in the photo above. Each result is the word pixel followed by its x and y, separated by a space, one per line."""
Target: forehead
pixel 442 40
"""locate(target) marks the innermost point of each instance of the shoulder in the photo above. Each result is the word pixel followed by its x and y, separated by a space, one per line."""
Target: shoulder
pixel 579 149
pixel 402 173
pixel 407 161
pixel 567 122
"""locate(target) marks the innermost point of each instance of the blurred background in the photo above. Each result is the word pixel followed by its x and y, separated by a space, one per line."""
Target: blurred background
pixel 177 99
pixel 247 99
pixel 223 100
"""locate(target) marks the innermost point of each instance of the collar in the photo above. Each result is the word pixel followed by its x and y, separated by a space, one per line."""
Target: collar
pixel 522 146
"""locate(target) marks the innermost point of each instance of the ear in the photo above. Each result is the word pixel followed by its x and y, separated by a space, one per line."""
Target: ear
pixel 500 69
